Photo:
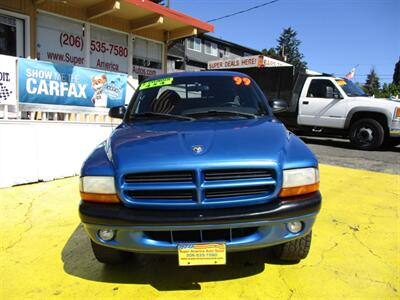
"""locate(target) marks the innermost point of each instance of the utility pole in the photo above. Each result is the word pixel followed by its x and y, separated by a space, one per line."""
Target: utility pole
pixel 168 3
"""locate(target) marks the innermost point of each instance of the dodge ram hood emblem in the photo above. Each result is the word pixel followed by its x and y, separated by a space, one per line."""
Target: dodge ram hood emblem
pixel 197 149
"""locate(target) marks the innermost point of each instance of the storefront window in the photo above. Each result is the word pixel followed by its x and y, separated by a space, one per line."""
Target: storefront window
pixel 60 40
pixel 147 57
pixel 11 36
pixel 108 50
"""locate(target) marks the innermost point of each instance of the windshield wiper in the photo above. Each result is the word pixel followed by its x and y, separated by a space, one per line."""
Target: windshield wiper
pixel 160 115
pixel 223 112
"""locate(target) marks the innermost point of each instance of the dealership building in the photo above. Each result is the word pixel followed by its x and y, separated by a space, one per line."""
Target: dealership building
pixel 194 53
pixel 53 54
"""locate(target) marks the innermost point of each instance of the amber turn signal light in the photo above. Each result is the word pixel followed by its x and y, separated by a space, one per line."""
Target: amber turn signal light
pixel 100 198
pixel 299 190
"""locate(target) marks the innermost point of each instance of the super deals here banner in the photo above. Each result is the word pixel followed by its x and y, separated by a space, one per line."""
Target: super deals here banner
pixel 49 83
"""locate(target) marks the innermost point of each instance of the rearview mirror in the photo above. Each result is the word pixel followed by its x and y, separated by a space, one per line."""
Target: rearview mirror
pixel 279 105
pixel 117 112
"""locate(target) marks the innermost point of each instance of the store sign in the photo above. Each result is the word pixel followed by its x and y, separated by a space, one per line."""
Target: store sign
pixel 270 62
pixel 8 80
pixel 240 62
pixel 48 83
pixel 60 40
pixel 256 61
pixel 108 50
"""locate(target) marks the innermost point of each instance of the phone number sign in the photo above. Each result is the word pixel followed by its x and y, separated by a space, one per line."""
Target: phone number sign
pixel 62 41
pixel 108 50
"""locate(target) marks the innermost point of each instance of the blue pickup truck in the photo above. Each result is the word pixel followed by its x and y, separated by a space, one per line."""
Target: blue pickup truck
pixel 199 167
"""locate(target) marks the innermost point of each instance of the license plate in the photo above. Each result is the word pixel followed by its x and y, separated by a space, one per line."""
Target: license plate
pixel 201 254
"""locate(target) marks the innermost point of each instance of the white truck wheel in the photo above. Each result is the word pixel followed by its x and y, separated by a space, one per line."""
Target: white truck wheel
pixel 366 134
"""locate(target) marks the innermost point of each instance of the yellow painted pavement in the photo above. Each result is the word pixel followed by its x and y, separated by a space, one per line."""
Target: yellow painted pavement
pixel 355 251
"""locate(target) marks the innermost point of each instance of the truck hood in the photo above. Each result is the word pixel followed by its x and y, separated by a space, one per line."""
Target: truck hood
pixel 376 102
pixel 148 145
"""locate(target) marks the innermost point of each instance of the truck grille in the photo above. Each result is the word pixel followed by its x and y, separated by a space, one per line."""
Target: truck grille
pixel 199 236
pixel 199 188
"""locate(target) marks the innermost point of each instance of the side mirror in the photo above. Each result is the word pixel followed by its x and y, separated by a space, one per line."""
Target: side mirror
pixel 117 112
pixel 279 105
pixel 329 92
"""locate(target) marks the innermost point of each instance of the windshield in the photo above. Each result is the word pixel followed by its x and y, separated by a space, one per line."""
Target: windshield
pixel 198 97
pixel 351 89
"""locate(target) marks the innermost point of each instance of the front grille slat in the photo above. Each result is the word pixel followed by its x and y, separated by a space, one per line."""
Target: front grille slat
pixel 173 176
pixel 236 192
pixel 161 194
pixel 235 174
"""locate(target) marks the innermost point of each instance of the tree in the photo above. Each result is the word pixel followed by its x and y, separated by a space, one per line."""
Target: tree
pixel 388 91
pixel 271 53
pixel 288 46
pixel 396 75
pixel 372 83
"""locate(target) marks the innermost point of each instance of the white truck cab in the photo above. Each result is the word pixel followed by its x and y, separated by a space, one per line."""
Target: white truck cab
pixel 337 103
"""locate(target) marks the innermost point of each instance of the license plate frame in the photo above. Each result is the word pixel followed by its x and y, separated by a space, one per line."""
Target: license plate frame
pixel 201 254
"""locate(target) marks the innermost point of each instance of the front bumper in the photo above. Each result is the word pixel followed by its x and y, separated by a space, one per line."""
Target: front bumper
pixel 132 225
pixel 394 129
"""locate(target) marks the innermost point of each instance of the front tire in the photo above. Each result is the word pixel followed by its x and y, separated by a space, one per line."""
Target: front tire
pixel 367 134
pixel 108 255
pixel 294 250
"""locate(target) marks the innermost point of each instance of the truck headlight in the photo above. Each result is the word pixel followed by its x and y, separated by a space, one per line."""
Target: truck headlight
pixel 397 113
pixel 98 189
pixel 299 181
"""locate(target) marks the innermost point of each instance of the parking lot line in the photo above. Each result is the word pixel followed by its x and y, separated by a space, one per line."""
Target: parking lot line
pixel 355 251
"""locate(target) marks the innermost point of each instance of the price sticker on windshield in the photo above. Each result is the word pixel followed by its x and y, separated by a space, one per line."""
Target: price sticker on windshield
pixel 156 83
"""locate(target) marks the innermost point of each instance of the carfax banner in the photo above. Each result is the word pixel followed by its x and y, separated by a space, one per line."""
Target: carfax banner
pixel 8 80
pixel 49 83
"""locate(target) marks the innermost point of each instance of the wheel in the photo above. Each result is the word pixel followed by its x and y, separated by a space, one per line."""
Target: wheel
pixel 367 134
pixel 294 250
pixel 108 255
pixel 392 141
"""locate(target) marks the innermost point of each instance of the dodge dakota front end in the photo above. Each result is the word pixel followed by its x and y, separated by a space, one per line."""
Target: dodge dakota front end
pixel 199 167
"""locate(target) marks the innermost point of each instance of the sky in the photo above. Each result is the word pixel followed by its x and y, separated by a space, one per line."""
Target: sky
pixel 336 35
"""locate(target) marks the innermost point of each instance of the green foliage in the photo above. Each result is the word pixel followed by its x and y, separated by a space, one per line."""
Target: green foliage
pixel 271 53
pixel 288 46
pixel 388 91
pixel 372 84
pixel 396 75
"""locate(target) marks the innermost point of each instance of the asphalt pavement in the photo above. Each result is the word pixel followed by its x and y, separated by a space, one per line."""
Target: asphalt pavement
pixel 339 152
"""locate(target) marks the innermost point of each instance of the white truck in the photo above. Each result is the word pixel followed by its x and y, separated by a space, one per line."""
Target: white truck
pixel 321 104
